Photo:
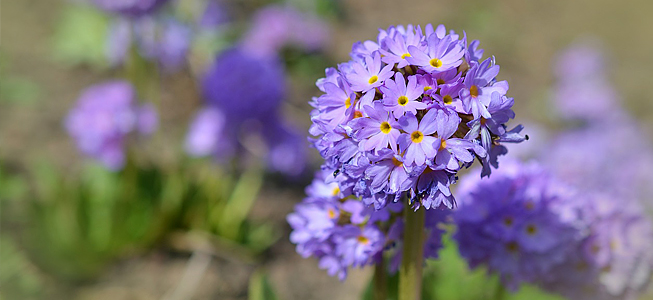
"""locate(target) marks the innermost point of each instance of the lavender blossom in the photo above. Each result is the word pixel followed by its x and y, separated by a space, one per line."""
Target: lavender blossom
pixel 241 108
pixel 274 27
pixel 528 226
pixel 130 8
pixel 342 232
pixel 105 115
pixel 433 107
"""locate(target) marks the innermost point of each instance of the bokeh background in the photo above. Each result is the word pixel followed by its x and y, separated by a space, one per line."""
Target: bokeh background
pixel 40 81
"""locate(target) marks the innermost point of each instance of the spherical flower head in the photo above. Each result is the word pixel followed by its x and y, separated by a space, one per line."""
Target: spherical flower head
pixel 520 223
pixel 244 86
pixel 104 116
pixel 130 8
pixel 410 110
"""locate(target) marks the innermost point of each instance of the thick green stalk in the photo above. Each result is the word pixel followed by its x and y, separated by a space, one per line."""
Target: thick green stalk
pixel 410 272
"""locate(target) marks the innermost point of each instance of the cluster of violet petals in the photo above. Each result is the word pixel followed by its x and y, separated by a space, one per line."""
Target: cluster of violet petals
pixel 407 112
pixel 341 232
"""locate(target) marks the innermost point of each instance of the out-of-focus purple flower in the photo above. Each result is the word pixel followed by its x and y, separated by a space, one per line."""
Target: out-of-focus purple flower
pixel 244 86
pixel 528 226
pixel 214 15
pixel 520 222
pixel 130 8
pixel 613 260
pixel 583 90
pixel 173 45
pixel 164 41
pixel 119 40
pixel 103 118
pixel 274 27
pixel 205 134
pixel 343 232
pixel 241 106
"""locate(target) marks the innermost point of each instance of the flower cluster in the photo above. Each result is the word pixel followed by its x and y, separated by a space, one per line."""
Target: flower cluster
pixel 236 112
pixel 408 112
pixel 519 223
pixel 340 231
pixel 104 116
pixel 275 26
pixel 242 110
pixel 130 8
pixel 613 260
pixel 527 226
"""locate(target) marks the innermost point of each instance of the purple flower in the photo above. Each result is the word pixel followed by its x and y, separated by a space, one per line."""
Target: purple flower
pixel 242 113
pixel 397 45
pixel 368 74
pixel 400 98
pixel 453 151
pixel 440 54
pixel 342 232
pixel 104 116
pixel 583 90
pixel 377 131
pixel 520 223
pixel 444 121
pixel 166 42
pixel 277 26
pixel 207 135
pixel 130 8
pixel 417 141
pixel 230 86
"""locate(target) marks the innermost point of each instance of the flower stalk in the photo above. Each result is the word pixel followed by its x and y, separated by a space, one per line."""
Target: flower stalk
pixel 410 272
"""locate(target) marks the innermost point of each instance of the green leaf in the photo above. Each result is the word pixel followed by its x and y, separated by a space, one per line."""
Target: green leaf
pixel 260 288
pixel 80 36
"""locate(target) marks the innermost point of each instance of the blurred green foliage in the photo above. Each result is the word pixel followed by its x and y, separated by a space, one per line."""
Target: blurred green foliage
pixel 80 36
pixel 71 226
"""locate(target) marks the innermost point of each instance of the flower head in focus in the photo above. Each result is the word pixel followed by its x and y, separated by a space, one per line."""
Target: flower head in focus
pixel 419 100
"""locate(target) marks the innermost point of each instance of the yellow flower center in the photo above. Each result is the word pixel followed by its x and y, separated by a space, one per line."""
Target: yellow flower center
pixel 447 99
pixel 435 62
pixel 402 100
pixel 396 162
pixel 473 91
pixel 403 56
pixel 416 137
pixel 531 229
pixel 440 81
pixel 426 88
pixel 348 103
pixel 358 114
pixel 512 247
pixel 373 79
pixel 331 213
pixel 385 127
pixel 443 144
pixel 336 191
pixel 363 240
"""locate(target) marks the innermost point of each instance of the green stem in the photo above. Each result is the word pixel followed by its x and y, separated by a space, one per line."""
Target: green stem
pixel 500 292
pixel 380 283
pixel 410 272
